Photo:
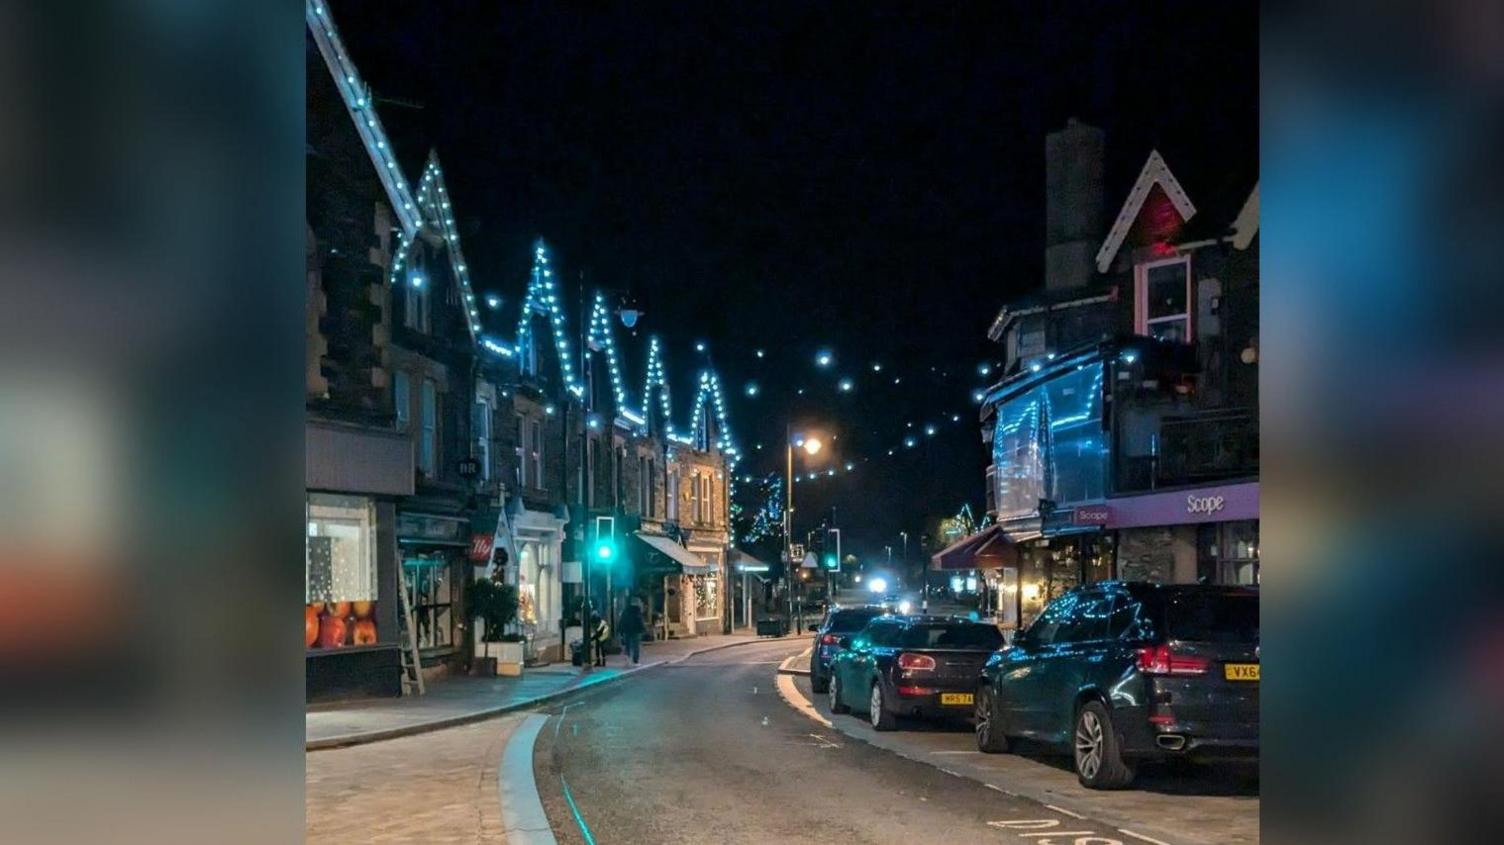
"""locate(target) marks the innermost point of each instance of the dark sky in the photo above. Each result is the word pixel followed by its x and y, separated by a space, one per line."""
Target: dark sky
pixel 865 177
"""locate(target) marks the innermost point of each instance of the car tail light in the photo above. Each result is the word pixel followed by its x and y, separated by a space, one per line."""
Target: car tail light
pixel 915 661
pixel 1160 660
pixel 915 691
pixel 829 639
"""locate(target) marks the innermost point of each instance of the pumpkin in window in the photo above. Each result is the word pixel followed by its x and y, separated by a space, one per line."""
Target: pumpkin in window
pixel 340 609
pixel 310 625
pixel 364 632
pixel 332 632
pixel 363 608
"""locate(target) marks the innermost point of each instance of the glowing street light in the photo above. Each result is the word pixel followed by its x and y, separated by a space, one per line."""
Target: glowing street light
pixel 812 445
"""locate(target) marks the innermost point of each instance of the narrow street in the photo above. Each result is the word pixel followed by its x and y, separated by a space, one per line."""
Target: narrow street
pixel 708 751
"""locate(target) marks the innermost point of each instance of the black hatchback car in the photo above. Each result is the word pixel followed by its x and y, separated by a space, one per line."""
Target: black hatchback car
pixel 1124 672
pixel 839 622
pixel 911 666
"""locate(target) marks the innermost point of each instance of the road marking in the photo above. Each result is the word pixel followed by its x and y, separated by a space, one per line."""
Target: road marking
pixel 522 816
pixel 574 808
pixel 796 700
pixel 951 772
pixel 1059 833
pixel 1065 811
pixel 1008 792
pixel 955 752
pixel 1141 836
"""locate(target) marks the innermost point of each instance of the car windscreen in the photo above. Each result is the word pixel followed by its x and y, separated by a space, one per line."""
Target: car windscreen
pixel 963 635
pixel 853 620
pixel 1213 617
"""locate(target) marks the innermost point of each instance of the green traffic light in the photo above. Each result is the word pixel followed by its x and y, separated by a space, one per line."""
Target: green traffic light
pixel 604 551
pixel 830 562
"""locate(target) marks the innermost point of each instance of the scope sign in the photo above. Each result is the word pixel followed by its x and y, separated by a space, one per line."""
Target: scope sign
pixel 1204 504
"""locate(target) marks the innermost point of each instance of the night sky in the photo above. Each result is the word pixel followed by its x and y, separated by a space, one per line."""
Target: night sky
pixel 867 178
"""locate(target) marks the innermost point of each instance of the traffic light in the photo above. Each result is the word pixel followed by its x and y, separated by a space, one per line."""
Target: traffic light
pixel 603 550
pixel 831 562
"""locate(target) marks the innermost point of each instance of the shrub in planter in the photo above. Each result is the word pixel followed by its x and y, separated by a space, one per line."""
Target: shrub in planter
pixel 495 605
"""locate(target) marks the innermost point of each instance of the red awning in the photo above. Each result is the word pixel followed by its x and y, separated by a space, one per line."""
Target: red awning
pixel 989 548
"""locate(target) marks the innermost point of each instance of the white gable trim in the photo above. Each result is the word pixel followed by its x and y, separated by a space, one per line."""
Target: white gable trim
pixel 1155 172
pixel 1246 224
pixel 363 112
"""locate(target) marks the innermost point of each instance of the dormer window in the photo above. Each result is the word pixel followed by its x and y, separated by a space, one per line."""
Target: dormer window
pixel 1163 299
pixel 416 315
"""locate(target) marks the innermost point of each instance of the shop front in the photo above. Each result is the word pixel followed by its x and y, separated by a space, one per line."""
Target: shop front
pixel 434 551
pixel 709 590
pixel 1200 535
pixel 686 590
pixel 350 561
pixel 540 602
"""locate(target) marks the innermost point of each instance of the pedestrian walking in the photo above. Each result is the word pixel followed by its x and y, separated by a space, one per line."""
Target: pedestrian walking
pixel 632 628
pixel 599 633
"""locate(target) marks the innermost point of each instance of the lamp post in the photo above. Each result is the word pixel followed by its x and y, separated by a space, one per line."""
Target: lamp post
pixel 810 445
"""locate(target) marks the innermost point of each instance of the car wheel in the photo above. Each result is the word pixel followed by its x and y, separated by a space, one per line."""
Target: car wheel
pixel 836 705
pixel 877 710
pixel 1099 759
pixel 818 682
pixel 989 727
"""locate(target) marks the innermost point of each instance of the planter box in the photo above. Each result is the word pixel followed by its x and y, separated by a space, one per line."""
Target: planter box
pixel 509 657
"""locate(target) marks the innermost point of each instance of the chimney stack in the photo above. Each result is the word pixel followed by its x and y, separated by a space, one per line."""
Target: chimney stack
pixel 1073 204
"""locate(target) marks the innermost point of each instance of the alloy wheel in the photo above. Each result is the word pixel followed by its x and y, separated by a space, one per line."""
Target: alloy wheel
pixel 835 694
pixel 1088 744
pixel 983 716
pixel 875 705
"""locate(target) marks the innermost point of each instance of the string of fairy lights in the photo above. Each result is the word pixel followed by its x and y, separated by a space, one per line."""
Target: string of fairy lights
pixel 430 211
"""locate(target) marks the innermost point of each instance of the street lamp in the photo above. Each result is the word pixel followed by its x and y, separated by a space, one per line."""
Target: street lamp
pixel 811 446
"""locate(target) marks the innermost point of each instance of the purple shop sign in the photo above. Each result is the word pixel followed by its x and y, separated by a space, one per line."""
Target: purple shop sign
pixel 1093 515
pixel 1203 504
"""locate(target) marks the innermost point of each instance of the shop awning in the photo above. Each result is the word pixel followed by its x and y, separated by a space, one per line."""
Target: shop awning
pixel 677 553
pixel 989 548
pixel 743 562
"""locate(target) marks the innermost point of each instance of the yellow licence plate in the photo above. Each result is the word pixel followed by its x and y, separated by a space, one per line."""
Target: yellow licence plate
pixel 1241 671
pixel 955 698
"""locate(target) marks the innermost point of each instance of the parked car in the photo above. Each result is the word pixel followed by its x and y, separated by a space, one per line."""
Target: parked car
pixel 840 622
pixel 911 666
pixel 1127 672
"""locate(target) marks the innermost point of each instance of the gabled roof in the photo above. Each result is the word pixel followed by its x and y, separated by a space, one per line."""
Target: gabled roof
pixel 1246 224
pixel 362 108
pixel 1155 172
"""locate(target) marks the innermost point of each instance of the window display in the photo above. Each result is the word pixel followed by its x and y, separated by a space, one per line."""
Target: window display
pixel 429 580
pixel 339 572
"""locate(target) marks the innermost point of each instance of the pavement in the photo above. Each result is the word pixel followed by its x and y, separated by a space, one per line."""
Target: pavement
pixel 460 700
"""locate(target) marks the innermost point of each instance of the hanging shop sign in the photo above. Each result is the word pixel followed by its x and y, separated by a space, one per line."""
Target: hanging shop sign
pixel 480 547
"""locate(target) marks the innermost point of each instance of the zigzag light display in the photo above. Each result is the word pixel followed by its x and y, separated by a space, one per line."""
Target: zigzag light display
pixel 543 298
pixel 602 338
pixel 655 380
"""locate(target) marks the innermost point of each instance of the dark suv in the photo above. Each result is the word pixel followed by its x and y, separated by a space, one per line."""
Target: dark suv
pixel 840 622
pixel 1123 672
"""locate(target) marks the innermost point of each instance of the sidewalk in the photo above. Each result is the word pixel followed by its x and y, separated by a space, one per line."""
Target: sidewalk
pixel 458 700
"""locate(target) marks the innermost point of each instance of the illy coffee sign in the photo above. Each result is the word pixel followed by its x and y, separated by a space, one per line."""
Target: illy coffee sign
pixel 1204 504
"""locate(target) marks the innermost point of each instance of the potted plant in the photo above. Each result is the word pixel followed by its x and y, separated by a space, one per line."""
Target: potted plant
pixel 495 605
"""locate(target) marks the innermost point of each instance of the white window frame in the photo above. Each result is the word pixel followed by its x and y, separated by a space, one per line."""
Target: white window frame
pixel 402 399
pixel 483 413
pixel 1142 325
pixel 530 461
pixel 673 496
pixel 418 314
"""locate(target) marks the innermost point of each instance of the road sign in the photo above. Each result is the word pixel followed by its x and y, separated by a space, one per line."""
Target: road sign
pixel 809 562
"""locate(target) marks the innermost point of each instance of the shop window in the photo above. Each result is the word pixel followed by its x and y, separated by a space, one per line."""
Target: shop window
pixel 673 496
pixel 530 451
pixel 430 581
pixel 340 571
pixel 1163 300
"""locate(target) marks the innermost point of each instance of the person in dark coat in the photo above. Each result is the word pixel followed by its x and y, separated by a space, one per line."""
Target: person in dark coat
pixel 632 627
